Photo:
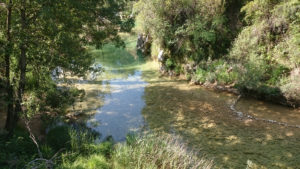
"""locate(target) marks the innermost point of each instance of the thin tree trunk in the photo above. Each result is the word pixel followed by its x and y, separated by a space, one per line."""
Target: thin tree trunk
pixel 22 60
pixel 10 118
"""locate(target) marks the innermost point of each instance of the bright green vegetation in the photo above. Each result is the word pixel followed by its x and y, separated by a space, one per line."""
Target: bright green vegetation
pixel 251 45
pixel 149 151
pixel 119 62
pixel 80 151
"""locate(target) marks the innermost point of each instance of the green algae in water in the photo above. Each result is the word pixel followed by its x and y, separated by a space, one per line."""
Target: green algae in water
pixel 205 122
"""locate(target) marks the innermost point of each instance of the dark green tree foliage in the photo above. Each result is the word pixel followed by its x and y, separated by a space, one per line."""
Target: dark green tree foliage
pixel 195 29
pixel 46 34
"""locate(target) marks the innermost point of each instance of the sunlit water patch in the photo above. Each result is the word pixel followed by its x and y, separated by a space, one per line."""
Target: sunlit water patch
pixel 121 111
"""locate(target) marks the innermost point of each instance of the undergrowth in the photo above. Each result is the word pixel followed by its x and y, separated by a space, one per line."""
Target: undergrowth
pixel 74 147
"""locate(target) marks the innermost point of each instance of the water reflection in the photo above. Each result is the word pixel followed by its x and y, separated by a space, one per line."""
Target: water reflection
pixel 121 111
pixel 119 96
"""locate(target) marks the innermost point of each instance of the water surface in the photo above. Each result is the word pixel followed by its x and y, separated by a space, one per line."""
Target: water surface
pixel 127 97
pixel 121 111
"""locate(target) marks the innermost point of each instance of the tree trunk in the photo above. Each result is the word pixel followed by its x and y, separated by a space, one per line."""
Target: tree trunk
pixel 10 118
pixel 22 60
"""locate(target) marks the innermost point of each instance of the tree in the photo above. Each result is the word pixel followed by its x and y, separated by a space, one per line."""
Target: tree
pixel 186 29
pixel 44 34
pixel 7 56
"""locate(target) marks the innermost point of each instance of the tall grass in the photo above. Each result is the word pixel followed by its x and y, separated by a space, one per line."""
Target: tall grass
pixel 151 151
pixel 156 152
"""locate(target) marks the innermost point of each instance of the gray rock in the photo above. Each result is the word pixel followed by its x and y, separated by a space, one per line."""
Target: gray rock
pixel 160 56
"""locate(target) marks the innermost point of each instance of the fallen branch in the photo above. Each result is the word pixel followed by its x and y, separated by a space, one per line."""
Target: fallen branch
pixel 39 162
pixel 31 135
pixel 49 164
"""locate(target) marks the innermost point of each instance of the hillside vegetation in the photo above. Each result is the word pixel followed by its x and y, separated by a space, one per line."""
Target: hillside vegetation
pixel 253 46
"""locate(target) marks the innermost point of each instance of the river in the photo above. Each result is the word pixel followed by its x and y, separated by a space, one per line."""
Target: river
pixel 130 96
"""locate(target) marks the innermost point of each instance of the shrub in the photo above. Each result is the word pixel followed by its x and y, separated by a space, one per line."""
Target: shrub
pixel 226 74
pixel 272 33
pixel 277 73
pixel 178 69
pixel 211 77
pixel 59 137
pixel 170 64
pixel 291 90
pixel 253 74
pixel 200 75
pixel 17 150
pixel 62 97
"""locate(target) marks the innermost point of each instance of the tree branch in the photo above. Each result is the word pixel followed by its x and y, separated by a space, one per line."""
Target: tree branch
pixel 33 138
pixel 36 163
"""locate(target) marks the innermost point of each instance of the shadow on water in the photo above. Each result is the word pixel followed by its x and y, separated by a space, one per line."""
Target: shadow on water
pixel 205 122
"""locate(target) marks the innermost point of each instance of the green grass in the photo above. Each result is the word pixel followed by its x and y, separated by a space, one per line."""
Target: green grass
pixel 156 151
pixel 139 152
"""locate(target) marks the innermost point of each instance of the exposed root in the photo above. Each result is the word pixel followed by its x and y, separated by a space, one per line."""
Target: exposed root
pixel 242 115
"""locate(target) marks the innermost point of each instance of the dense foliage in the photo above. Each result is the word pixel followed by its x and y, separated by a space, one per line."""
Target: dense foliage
pixel 72 147
pixel 253 45
pixel 38 36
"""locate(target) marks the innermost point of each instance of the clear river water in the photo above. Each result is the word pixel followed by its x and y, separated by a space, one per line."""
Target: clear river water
pixel 130 96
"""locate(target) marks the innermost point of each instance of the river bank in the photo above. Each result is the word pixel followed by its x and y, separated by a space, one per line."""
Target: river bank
pixel 132 97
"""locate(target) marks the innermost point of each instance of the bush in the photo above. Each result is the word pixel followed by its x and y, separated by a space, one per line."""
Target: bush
pixel 211 77
pixel 17 150
pixel 59 137
pixel 200 76
pixel 291 90
pixel 178 70
pixel 271 33
pixel 170 64
pixel 277 73
pixel 226 74
pixel 62 97
pixel 253 74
